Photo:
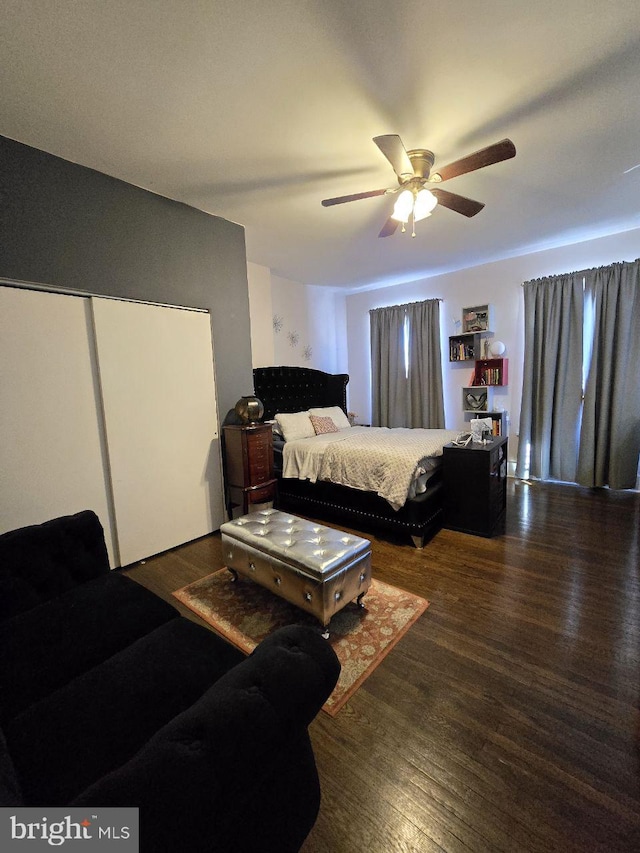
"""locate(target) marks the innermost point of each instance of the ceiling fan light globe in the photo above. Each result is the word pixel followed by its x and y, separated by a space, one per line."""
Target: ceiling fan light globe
pixel 418 217
pixel 424 204
pixel 403 206
pixel 400 217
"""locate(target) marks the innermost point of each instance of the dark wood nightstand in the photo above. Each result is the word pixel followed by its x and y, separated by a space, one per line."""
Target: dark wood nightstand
pixel 475 486
pixel 248 466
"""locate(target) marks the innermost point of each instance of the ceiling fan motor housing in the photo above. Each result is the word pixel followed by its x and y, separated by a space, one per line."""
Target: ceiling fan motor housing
pixel 422 161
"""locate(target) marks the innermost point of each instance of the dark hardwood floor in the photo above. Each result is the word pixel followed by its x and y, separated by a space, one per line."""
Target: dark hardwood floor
pixel 508 718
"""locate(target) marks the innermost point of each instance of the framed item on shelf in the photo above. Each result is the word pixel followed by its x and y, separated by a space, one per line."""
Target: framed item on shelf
pixel 475 319
pixel 474 399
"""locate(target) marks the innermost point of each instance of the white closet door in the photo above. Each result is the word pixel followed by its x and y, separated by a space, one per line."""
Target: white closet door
pixel 51 451
pixel 157 381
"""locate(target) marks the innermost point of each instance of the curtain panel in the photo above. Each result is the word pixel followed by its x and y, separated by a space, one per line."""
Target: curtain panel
pixel 582 324
pixel 406 366
pixel 552 379
pixel 388 380
pixel 610 432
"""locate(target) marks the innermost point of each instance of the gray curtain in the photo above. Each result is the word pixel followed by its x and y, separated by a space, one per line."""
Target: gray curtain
pixel 552 379
pixel 610 433
pixel 387 366
pixel 407 393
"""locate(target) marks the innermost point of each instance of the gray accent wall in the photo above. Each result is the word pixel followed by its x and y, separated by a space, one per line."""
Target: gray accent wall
pixel 68 226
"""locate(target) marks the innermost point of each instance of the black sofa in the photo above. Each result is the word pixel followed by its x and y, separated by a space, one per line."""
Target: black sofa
pixel 109 697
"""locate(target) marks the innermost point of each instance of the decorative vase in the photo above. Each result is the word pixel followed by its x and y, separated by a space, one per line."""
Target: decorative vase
pixel 249 409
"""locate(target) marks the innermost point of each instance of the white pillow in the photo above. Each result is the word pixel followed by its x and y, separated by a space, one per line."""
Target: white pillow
pixel 335 413
pixel 295 425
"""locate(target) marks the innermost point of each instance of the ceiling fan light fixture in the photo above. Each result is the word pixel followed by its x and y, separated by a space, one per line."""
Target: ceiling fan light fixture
pixel 403 206
pixel 413 204
pixel 424 204
pixel 413 170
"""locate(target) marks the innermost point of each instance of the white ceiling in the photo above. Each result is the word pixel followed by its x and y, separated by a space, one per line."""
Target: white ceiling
pixel 255 110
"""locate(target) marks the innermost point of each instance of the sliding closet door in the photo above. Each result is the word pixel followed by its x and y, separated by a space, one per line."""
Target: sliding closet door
pixel 157 383
pixel 52 459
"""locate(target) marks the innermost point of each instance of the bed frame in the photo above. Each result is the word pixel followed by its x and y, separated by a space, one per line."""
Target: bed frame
pixel 296 389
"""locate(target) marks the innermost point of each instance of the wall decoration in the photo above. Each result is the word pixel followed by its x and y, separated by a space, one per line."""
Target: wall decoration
pixel 278 322
pixel 475 400
pixel 294 339
pixel 475 319
pixel 307 352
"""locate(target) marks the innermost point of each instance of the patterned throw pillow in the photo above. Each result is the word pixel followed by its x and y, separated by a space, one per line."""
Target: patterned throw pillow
pixel 323 425
pixel 335 413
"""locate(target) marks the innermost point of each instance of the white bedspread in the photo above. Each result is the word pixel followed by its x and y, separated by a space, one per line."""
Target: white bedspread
pixel 374 459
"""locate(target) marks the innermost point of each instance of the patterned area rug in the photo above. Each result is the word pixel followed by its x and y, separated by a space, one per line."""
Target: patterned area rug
pixel 245 613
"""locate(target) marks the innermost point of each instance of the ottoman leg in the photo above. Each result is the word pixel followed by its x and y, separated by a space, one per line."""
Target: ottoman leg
pixel 359 601
pixel 233 573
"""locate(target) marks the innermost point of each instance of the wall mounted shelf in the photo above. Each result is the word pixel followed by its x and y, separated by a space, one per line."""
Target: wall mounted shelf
pixel 491 371
pixel 467 346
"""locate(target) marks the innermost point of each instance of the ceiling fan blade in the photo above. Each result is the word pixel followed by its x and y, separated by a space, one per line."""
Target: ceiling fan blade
pixel 503 150
pixel 395 152
pixel 327 202
pixel 465 206
pixel 389 227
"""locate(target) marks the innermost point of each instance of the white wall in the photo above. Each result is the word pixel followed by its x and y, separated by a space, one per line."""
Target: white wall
pixel 296 324
pixel 260 313
pixel 497 283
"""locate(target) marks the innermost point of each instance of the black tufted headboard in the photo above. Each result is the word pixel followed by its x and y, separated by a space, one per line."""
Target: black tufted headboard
pixel 296 389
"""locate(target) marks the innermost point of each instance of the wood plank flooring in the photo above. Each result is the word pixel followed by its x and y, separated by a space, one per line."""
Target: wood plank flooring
pixel 508 718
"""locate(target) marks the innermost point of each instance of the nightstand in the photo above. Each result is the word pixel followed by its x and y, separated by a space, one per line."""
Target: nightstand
pixel 475 486
pixel 248 465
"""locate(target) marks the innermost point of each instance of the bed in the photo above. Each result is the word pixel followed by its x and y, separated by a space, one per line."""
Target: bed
pixel 311 470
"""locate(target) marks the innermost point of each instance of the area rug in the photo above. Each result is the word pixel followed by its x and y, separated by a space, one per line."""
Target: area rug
pixel 245 613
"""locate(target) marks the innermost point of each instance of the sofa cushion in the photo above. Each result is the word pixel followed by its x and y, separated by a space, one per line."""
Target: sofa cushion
pixel 43 560
pixel 10 794
pixel 96 722
pixel 47 646
pixel 241 750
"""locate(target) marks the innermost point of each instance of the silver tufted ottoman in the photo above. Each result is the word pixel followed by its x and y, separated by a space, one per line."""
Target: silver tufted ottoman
pixel 316 568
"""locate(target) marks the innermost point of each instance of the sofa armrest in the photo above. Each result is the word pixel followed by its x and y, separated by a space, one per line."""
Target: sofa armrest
pixel 236 769
pixel 41 561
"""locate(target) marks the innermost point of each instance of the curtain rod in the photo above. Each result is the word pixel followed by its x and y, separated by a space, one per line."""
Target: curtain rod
pixel 555 275
pixel 581 272
pixel 405 304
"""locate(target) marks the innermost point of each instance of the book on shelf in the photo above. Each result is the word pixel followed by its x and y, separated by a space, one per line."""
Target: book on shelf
pixel 460 351
pixel 489 376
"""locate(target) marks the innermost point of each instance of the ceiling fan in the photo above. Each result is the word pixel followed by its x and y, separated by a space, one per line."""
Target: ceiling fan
pixel 413 170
